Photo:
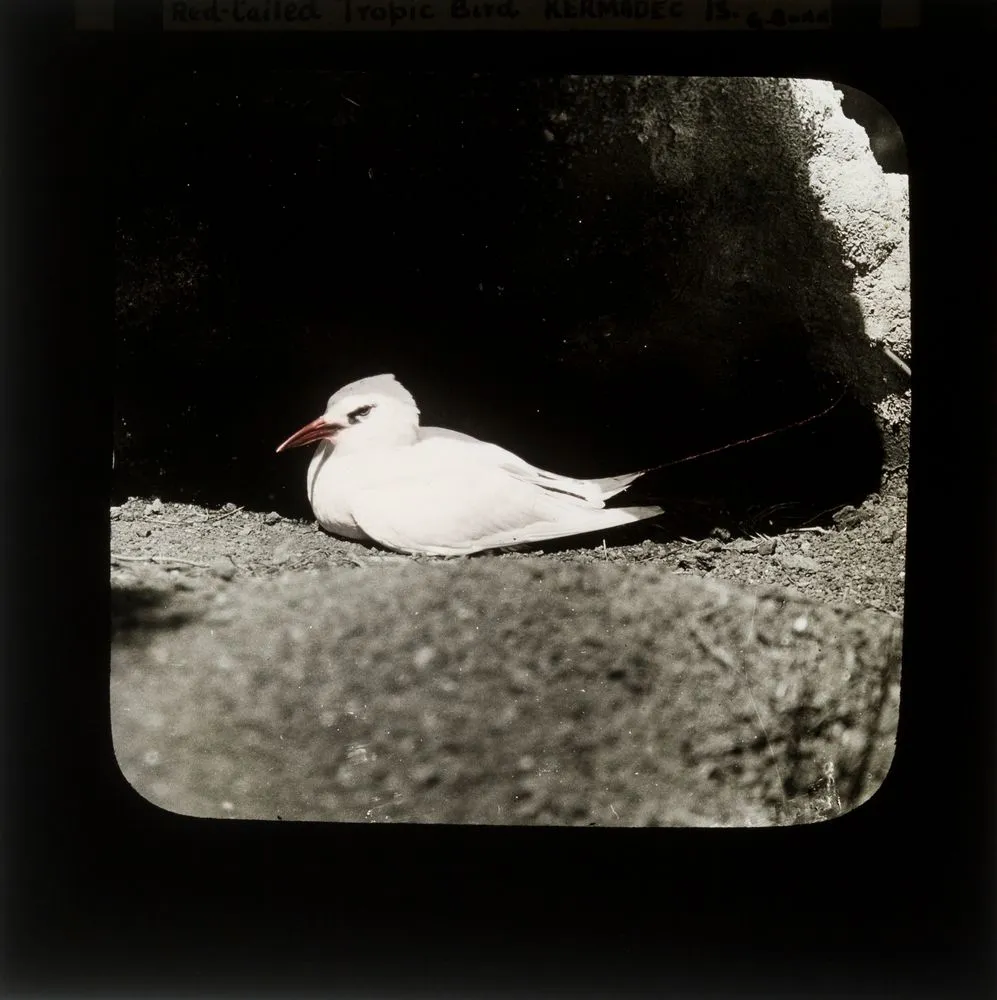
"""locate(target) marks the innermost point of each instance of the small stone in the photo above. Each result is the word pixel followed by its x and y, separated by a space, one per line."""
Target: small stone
pixel 282 553
pixel 157 506
pixel 223 568
pixel 423 656
pixel 272 518
pixel 848 516
pixel 359 753
pixel 843 514
pixel 710 545
pixel 115 513
pixel 426 774
pixel 798 562
pixel 766 546
pixel 744 545
pixel 143 532
pixel 520 679
pixel 245 530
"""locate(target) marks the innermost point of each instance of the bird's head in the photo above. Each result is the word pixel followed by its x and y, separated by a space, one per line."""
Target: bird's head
pixel 375 412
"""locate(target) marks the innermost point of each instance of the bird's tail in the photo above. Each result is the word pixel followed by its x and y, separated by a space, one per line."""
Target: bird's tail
pixel 637 513
pixel 593 492
pixel 611 485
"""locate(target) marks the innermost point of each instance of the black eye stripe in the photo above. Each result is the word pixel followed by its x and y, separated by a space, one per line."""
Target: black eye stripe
pixel 359 412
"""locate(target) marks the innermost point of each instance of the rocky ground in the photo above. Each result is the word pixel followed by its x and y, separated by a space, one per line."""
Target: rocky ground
pixel 262 669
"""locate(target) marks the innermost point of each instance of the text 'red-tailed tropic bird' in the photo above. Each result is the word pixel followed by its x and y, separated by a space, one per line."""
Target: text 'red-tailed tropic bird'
pixel 378 476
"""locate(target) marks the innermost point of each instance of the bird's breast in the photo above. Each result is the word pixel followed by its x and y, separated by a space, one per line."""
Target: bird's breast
pixel 332 482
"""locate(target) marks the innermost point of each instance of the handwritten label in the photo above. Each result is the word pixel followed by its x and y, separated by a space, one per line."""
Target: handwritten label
pixel 238 12
pixel 762 15
pixel 537 15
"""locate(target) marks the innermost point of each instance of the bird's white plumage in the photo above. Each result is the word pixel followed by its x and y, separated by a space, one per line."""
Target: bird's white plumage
pixel 380 476
pixel 386 386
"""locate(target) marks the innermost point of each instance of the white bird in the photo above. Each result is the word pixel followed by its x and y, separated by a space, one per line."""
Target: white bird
pixel 378 476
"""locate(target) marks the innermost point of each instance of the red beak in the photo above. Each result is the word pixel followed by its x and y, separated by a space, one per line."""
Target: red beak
pixel 318 430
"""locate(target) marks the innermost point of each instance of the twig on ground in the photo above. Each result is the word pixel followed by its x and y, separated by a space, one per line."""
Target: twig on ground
pixel 219 517
pixel 885 611
pixel 158 559
pixel 819 514
pixel 902 365
pixel 715 652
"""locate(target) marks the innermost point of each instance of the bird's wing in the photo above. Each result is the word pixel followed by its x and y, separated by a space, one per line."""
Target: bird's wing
pixel 470 509
pixel 593 491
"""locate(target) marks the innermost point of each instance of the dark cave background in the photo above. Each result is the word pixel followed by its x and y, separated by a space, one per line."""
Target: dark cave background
pixel 279 234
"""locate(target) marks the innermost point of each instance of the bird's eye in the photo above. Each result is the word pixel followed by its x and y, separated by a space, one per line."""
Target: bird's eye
pixel 359 413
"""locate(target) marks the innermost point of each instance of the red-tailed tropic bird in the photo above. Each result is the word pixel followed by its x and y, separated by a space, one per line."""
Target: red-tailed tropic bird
pixel 377 475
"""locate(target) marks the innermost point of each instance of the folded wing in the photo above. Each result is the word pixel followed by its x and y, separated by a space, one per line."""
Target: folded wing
pixel 470 510
pixel 594 491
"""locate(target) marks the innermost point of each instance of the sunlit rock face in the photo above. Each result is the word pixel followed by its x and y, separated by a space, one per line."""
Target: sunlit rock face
pixel 776 230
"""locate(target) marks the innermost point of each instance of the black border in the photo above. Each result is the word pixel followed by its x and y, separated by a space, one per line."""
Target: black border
pixel 105 894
